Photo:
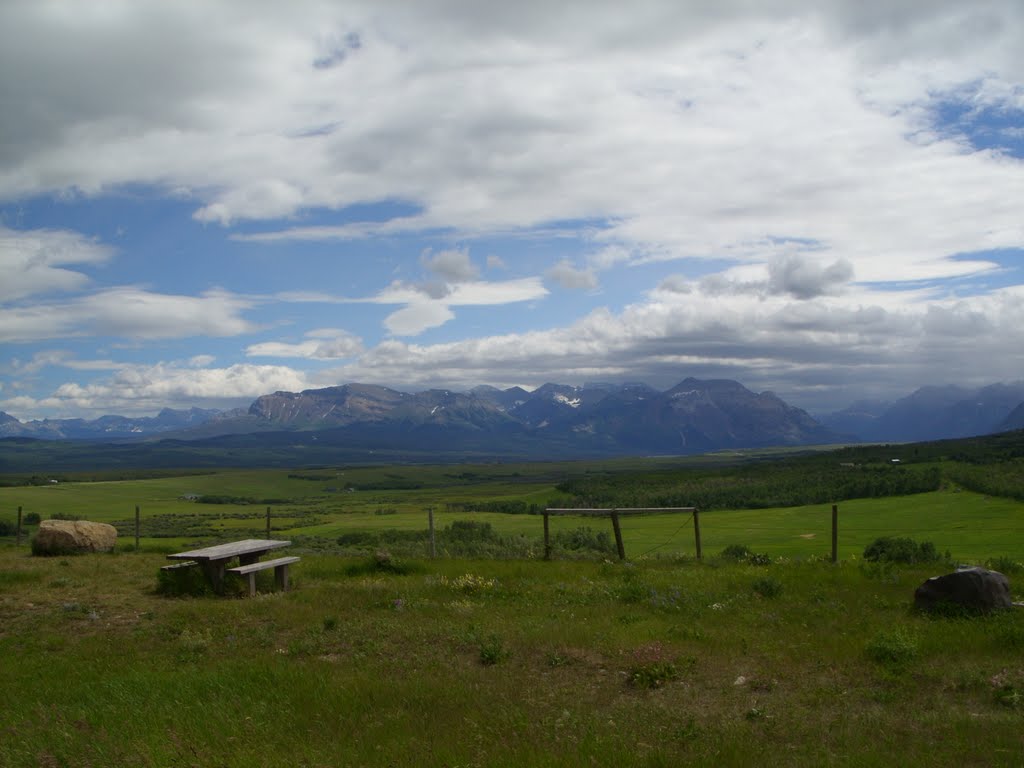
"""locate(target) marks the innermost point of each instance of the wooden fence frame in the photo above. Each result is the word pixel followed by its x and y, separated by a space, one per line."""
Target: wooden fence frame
pixel 614 514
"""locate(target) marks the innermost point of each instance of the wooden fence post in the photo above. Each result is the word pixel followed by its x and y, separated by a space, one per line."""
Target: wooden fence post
pixel 696 532
pixel 136 527
pixel 547 537
pixel 618 535
pixel 835 533
pixel 19 527
pixel 430 523
pixel 268 522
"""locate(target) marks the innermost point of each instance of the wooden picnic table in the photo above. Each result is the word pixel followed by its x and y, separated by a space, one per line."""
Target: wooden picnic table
pixel 214 560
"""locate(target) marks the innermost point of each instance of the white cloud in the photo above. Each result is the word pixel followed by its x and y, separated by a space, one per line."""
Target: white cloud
pixel 321 344
pixel 127 312
pixel 418 317
pixel 34 262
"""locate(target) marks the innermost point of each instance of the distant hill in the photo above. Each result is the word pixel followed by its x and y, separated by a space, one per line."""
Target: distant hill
pixel 360 422
pixel 931 413
pixel 105 427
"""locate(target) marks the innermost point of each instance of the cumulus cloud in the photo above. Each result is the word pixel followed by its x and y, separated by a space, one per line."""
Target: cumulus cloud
pixel 805 277
pixel 454 266
pixel 144 389
pixel 568 276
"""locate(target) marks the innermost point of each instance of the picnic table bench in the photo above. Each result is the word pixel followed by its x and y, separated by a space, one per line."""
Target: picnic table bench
pixel 214 562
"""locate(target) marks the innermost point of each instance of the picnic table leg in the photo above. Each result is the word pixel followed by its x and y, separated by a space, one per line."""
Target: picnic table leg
pixel 215 575
pixel 281 577
pixel 252 583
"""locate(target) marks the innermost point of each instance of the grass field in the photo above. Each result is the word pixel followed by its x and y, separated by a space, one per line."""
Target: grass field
pixel 316 506
pixel 501 663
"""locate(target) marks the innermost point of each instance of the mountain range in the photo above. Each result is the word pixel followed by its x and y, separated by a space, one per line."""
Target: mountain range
pixel 555 420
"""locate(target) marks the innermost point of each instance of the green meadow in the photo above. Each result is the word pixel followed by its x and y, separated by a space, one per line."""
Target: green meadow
pixel 315 507
pixel 501 663
pixel 489 655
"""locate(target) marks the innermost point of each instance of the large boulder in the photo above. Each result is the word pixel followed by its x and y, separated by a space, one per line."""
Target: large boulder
pixel 973 590
pixel 69 537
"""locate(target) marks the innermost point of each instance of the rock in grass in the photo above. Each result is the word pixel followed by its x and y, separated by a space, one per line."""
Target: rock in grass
pixel 971 590
pixel 69 537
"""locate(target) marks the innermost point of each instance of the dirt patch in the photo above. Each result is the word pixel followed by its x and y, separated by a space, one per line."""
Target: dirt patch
pixel 808 535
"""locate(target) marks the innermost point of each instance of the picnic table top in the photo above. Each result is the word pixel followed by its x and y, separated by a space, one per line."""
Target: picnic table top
pixel 230 550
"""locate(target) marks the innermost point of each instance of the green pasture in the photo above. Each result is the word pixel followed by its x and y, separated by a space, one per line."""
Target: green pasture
pixel 325 503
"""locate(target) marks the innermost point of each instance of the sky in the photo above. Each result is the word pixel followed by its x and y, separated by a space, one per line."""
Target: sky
pixel 203 202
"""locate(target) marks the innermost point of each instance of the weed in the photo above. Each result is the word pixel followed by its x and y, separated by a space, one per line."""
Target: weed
pixel 767 587
pixel 1010 696
pixel 382 561
pixel 556 659
pixel 1005 565
pixel 330 623
pixel 892 648
pixel 492 651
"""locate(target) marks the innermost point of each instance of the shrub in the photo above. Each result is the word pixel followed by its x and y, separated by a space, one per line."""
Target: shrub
pixel 736 552
pixel 381 562
pixel 583 539
pixel 767 587
pixel 31 518
pixel 64 516
pixel 1005 565
pixel 894 647
pixel 357 539
pixel 469 530
pixel 900 550
pixel 7 529
pixel 181 582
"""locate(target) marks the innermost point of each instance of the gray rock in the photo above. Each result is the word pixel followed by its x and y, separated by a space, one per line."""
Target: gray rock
pixel 973 590
pixel 63 537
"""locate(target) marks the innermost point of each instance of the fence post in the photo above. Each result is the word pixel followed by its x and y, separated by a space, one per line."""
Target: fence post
pixel 19 527
pixel 268 522
pixel 547 537
pixel 136 527
pixel 696 532
pixel 835 533
pixel 430 523
pixel 618 535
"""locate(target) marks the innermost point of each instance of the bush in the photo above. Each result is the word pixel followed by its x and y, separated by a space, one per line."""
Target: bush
pixel 736 552
pixel 583 539
pixel 357 539
pixel 469 530
pixel 900 550
pixel 31 518
pixel 767 587
pixel 892 648
pixel 381 562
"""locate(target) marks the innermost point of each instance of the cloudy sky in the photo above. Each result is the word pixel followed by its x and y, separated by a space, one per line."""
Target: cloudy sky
pixel 202 202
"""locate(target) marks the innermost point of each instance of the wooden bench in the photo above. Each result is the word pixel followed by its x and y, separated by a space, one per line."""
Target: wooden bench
pixel 280 566
pixel 176 566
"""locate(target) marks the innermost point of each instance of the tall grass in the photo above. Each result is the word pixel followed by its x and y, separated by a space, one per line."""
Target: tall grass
pixel 481 662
